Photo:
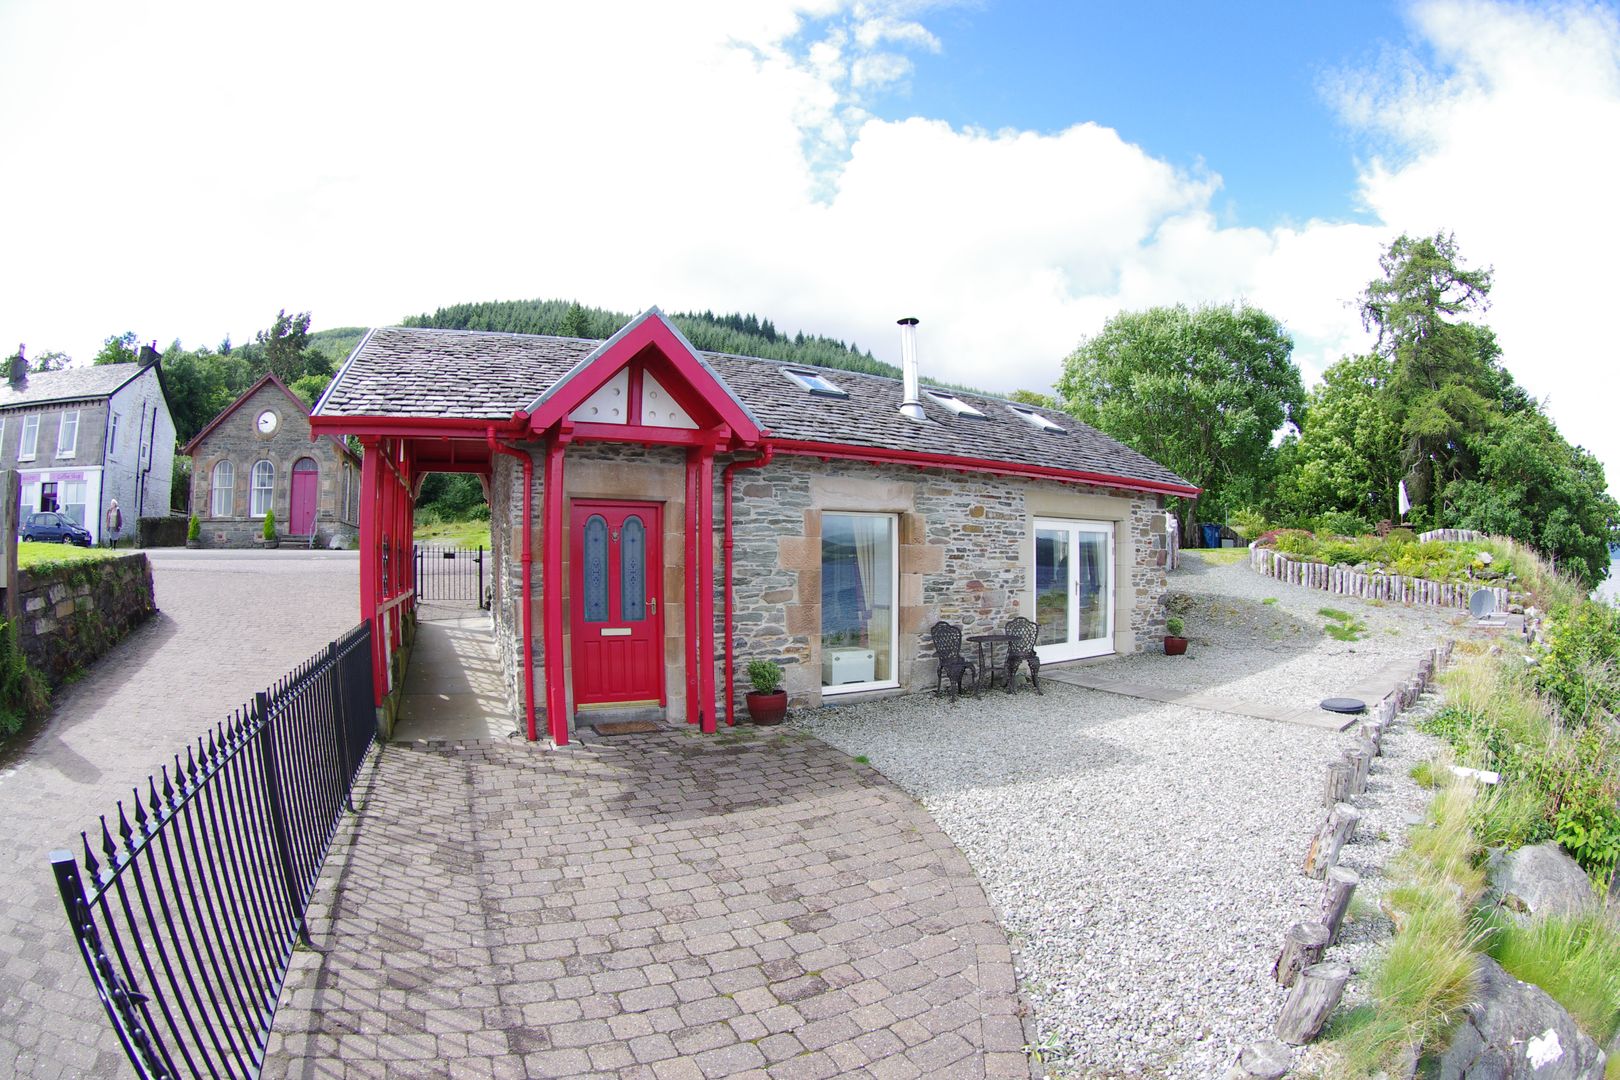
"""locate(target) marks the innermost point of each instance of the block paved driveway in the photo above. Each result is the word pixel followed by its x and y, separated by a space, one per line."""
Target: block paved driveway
pixel 668 905
pixel 228 624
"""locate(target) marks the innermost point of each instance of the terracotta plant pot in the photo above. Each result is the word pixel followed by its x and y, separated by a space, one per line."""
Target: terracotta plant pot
pixel 1174 646
pixel 767 710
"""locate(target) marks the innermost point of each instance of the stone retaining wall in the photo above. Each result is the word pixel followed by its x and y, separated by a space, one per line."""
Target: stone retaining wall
pixel 1343 581
pixel 74 613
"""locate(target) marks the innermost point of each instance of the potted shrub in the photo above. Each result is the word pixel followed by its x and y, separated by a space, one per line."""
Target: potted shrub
pixel 1174 643
pixel 767 701
pixel 193 532
pixel 270 539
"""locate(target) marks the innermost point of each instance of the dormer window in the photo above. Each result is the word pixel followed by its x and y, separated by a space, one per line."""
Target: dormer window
pixel 1035 419
pixel 815 382
pixel 954 405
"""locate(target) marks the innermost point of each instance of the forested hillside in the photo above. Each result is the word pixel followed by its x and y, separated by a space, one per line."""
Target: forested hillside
pixel 746 335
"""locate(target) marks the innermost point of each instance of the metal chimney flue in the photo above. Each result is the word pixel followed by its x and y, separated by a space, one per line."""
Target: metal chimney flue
pixel 912 405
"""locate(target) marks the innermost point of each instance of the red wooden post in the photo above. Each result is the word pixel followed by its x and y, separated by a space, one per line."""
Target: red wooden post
pixel 689 617
pixel 705 587
pixel 551 587
pixel 368 564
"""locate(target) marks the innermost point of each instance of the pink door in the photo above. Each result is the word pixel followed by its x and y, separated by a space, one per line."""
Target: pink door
pixel 306 487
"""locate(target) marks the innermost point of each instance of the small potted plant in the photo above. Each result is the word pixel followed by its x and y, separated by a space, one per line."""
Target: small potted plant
pixel 193 532
pixel 767 701
pixel 270 539
pixel 1174 643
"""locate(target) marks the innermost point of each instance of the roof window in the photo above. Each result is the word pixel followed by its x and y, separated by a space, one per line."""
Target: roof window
pixel 1035 419
pixel 954 405
pixel 814 382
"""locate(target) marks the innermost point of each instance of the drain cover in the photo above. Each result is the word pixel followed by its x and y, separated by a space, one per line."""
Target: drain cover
pixel 1344 705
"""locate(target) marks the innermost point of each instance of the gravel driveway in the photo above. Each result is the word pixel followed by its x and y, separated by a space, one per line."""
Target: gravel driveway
pixel 1145 858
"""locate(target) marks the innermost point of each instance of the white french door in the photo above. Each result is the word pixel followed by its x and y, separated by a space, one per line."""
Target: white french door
pixel 1073 588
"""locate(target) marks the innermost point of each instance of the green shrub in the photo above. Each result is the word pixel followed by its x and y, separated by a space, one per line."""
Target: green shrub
pixel 1247 522
pixel 1174 626
pixel 764 676
pixel 1580 661
pixel 1575 959
pixel 23 693
pixel 269 524
pixel 1341 523
pixel 193 529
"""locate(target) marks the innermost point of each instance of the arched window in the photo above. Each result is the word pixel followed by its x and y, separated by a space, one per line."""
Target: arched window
pixel 264 482
pixel 224 501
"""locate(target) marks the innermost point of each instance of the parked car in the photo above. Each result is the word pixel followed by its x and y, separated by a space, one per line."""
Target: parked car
pixel 55 528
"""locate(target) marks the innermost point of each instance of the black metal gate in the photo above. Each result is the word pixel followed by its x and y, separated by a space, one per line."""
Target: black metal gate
pixel 450 575
pixel 199 892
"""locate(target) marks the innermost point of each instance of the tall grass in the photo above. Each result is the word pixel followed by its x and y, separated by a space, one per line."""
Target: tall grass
pixel 1576 959
pixel 1419 987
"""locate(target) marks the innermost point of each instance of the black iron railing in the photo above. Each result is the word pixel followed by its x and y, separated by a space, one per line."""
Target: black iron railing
pixel 197 890
pixel 450 574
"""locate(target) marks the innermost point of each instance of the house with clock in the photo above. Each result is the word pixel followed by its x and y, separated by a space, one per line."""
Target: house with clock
pixel 258 456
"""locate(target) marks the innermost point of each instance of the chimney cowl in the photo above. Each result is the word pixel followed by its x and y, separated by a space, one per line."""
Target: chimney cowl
pixel 911 404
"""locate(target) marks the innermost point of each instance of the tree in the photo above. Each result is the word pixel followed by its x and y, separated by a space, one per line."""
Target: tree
pixel 1035 398
pixel 575 322
pixel 1348 453
pixel 1537 488
pixel 1445 377
pixel 119 349
pixel 50 360
pixel 1200 391
pixel 283 346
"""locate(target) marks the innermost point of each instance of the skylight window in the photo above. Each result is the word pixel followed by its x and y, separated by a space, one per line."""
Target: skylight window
pixel 953 405
pixel 815 382
pixel 1035 419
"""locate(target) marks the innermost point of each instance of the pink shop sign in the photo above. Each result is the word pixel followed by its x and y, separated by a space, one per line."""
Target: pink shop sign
pixel 55 478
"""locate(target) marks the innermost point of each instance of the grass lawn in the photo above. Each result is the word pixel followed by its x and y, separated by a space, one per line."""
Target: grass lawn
pixel 1218 556
pixel 465 533
pixel 31 554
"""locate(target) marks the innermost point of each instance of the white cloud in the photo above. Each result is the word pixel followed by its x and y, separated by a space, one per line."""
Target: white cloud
pixel 187 169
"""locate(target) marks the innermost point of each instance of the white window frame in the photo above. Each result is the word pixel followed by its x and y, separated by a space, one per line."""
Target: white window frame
pixel 953 404
pixel 80 488
pixel 893 682
pixel 112 433
pixel 1035 419
pixel 64 448
pixel 215 489
pixel 1071 649
pixel 28 443
pixel 815 382
pixel 255 508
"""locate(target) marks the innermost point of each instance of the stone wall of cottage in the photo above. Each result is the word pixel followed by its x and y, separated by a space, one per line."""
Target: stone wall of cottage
pixel 965 553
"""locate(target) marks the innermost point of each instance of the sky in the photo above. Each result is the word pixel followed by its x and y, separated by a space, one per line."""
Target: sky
pixel 1012 173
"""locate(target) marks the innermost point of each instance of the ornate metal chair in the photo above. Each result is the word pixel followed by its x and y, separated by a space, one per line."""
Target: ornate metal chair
pixel 1021 650
pixel 953 666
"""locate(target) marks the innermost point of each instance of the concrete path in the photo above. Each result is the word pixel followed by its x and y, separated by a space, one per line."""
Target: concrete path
pixel 229 623
pixel 660 906
pixel 454 689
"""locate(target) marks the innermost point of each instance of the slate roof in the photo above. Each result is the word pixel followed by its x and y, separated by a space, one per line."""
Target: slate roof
pixel 68 384
pixel 464 374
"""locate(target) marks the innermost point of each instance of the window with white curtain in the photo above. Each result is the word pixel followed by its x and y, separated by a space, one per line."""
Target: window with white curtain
pixel 67 436
pixel 30 438
pixel 859 600
pixel 223 503
pixel 264 483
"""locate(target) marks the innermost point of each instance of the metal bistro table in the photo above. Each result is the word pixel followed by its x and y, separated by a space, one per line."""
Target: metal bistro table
pixel 988 643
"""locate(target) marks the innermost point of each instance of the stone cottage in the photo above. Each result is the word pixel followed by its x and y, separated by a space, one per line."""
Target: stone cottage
pixel 659 516
pixel 259 455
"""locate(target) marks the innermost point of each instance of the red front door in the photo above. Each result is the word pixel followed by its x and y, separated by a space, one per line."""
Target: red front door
pixel 306 486
pixel 616 589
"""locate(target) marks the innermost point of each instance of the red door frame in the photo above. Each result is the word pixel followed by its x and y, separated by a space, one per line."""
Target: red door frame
pixel 642 640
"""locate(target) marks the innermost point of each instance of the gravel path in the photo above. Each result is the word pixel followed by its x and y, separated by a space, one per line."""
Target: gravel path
pixel 1145 857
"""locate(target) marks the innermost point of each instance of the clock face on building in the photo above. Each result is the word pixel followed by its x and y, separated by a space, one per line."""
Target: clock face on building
pixel 267 422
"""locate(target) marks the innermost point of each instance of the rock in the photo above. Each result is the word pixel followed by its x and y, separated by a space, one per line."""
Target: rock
pixel 1539 880
pixel 1514 1030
